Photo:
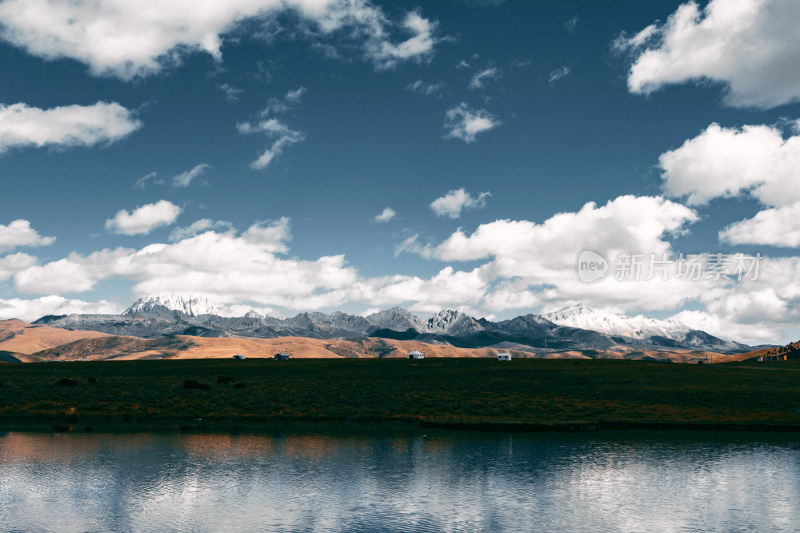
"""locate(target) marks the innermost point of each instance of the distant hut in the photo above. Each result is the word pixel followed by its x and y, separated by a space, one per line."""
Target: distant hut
pixel 505 356
pixel 239 356
pixel 415 355
pixel 282 356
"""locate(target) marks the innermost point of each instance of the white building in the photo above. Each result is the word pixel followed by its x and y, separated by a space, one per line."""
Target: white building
pixel 505 356
pixel 239 356
pixel 415 355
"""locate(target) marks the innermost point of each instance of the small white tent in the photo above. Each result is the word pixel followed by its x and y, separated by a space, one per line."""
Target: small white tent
pixel 505 356
pixel 415 355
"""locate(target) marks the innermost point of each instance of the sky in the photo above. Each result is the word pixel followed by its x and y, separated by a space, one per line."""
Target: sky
pixel 496 157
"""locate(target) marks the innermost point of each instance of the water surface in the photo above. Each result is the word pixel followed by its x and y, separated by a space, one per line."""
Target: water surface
pixel 406 480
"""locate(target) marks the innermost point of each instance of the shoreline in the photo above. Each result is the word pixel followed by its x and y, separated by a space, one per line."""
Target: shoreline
pixel 56 424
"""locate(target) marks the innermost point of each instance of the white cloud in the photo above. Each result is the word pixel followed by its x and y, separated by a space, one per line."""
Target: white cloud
pixel 428 89
pixel 779 226
pixel 152 176
pixel 539 259
pixel 13 263
pixel 281 105
pixel 418 47
pixel 751 46
pixel 184 179
pixel 521 264
pixel 30 310
pixel 232 93
pixel 480 78
pixel 199 226
pixel 386 215
pixel 19 233
pixel 131 39
pixel 465 123
pixel 456 200
pixel 723 162
pixel 144 219
pixel 64 127
pixel 282 136
pixel 571 24
pixel 557 74
pixel 61 277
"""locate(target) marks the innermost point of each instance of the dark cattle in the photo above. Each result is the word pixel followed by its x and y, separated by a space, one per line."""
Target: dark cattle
pixel 66 382
pixel 192 384
pixel 238 386
pixel 224 379
pixel 92 380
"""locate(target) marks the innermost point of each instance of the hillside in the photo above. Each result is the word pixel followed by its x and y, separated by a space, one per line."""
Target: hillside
pixel 189 347
pixel 20 337
pixel 789 352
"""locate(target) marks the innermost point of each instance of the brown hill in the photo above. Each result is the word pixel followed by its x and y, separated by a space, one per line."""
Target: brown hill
pixel 20 337
pixel 187 347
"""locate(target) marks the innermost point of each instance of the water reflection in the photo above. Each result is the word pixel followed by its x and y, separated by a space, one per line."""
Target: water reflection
pixel 405 481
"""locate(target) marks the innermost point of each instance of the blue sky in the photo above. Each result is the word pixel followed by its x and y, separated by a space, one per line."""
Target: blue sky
pixel 246 151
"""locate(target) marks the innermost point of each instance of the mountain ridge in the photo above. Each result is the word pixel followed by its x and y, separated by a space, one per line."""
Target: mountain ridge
pixel 579 328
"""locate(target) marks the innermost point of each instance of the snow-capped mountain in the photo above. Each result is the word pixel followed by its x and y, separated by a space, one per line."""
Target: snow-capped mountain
pixel 158 303
pixel 610 323
pixel 396 319
pixel 451 322
pixel 574 328
pixel 639 327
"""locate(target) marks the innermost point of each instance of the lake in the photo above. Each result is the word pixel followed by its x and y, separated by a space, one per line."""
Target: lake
pixel 400 479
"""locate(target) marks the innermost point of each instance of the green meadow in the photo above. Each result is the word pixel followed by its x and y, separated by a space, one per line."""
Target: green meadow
pixel 533 394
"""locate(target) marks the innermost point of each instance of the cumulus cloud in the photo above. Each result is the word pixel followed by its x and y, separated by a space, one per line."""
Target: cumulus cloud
pixel 457 200
pixel 33 309
pixel 748 45
pixel 754 311
pixel 480 78
pixel 539 260
pixel 19 233
pixel 726 162
pixel 521 265
pixel 127 40
pixel 64 127
pixel 557 74
pixel 144 219
pixel 386 215
pixel 184 179
pixel 778 226
pixel 465 123
pixel 13 263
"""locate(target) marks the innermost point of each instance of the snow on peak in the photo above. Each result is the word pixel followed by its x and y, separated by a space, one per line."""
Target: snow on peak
pixel 189 305
pixel 609 322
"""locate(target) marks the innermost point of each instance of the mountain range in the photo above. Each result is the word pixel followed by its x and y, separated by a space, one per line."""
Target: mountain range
pixel 573 328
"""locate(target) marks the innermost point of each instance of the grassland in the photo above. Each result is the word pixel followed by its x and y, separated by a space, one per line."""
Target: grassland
pixel 470 393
